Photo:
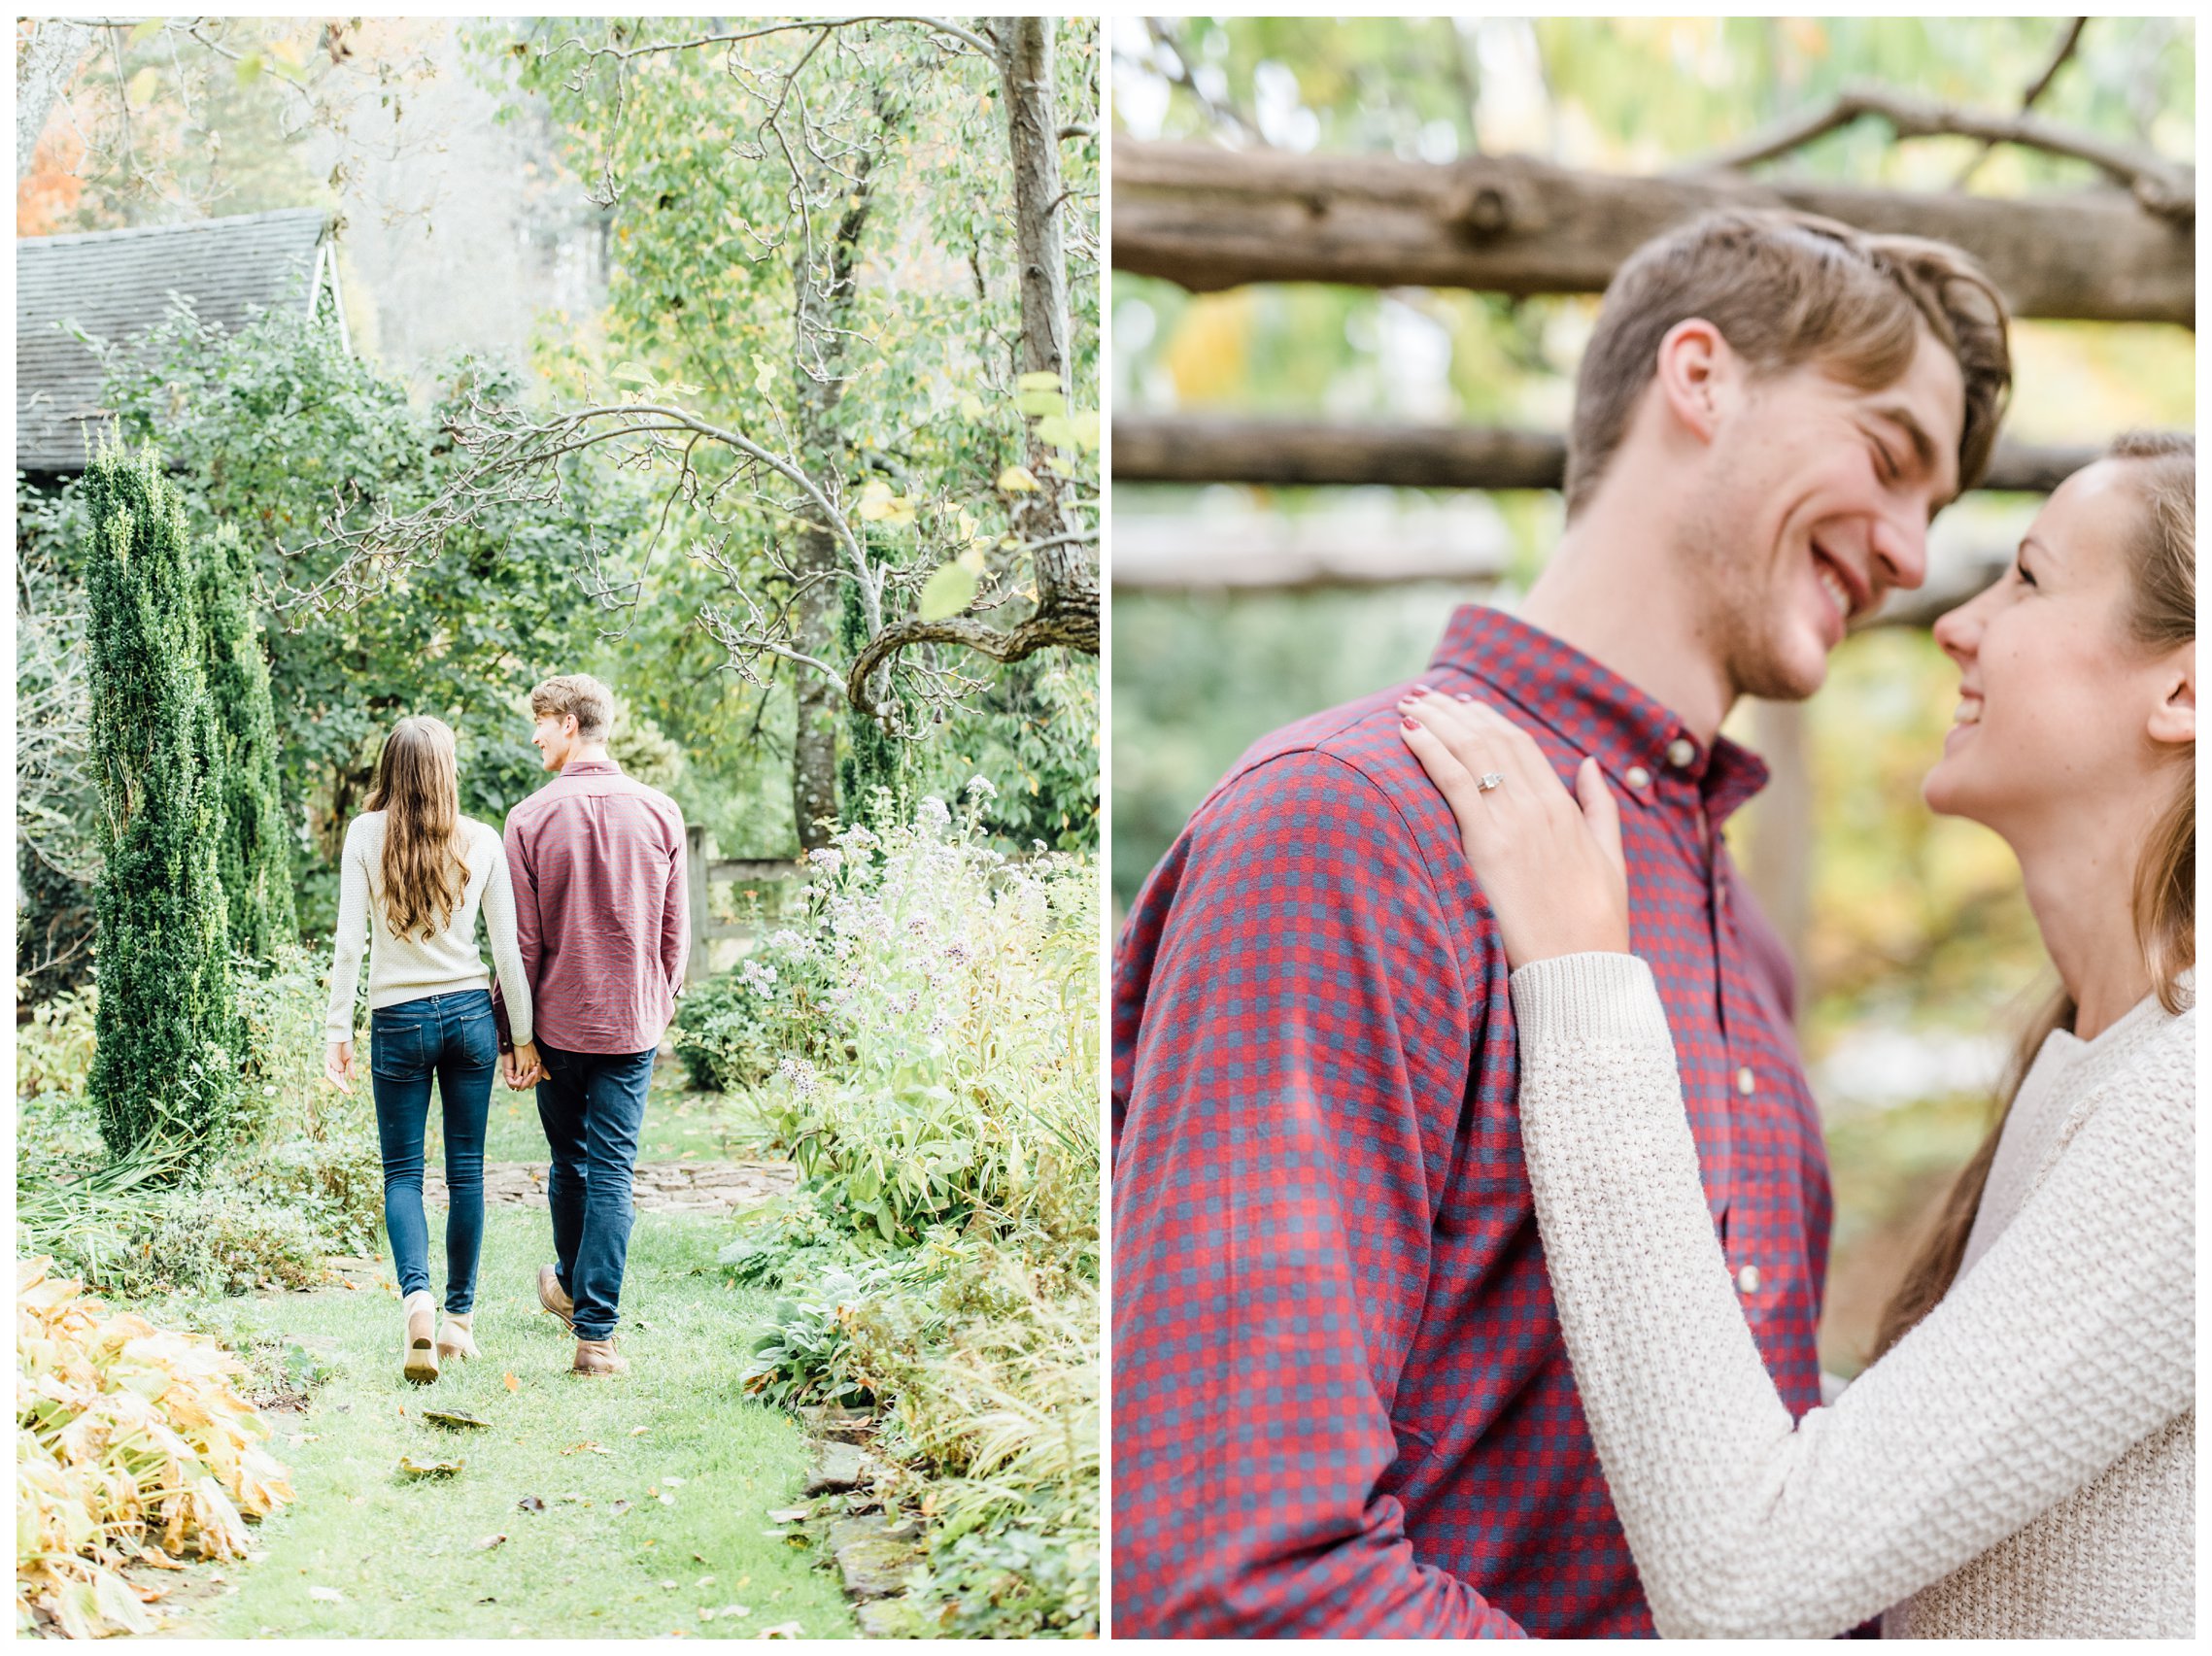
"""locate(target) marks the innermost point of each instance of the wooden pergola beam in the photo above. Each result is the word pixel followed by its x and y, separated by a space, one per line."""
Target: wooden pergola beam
pixel 1208 219
pixel 1290 454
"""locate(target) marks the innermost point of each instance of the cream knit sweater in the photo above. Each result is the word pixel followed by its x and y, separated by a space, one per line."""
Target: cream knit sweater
pixel 2020 1465
pixel 410 968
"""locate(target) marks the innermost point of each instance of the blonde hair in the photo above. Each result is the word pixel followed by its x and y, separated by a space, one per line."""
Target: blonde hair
pixel 2161 615
pixel 1786 288
pixel 418 789
pixel 582 694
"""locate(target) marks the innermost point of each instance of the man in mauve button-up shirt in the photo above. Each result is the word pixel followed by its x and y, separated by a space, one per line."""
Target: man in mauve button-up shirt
pixel 1341 1404
pixel 601 918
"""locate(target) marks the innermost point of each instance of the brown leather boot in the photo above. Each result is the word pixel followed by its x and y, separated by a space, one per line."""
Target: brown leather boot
pixel 550 1296
pixel 419 1356
pixel 599 1357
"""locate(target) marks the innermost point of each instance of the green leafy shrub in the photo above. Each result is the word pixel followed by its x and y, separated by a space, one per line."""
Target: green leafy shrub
pixel 938 1264
pixel 732 1029
pixel 304 1180
pixel 164 1064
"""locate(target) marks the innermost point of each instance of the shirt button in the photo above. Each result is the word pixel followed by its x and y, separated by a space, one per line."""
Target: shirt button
pixel 1743 1082
pixel 1679 752
pixel 1748 1279
pixel 1637 776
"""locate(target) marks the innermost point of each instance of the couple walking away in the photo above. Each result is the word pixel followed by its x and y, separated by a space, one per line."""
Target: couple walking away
pixel 585 907
pixel 1471 1207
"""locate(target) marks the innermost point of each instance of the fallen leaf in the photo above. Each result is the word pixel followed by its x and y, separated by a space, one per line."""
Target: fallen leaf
pixel 665 1499
pixel 530 1504
pixel 736 1610
pixel 455 1419
pixel 668 1586
pixel 490 1541
pixel 410 1467
pixel 704 1580
pixel 513 1384
pixel 619 1508
pixel 784 1630
pixel 326 1595
pixel 639 1430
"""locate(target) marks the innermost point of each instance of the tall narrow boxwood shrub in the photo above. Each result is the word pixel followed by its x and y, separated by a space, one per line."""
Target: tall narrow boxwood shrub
pixel 165 1063
pixel 252 859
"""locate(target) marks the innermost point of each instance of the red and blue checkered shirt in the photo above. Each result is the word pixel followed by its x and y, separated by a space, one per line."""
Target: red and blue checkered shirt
pixel 1341 1404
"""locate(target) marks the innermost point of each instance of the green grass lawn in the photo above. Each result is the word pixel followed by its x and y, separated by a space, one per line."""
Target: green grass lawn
pixel 705 1127
pixel 634 1541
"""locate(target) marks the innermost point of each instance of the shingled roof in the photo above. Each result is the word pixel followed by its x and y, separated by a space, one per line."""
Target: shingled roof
pixel 116 284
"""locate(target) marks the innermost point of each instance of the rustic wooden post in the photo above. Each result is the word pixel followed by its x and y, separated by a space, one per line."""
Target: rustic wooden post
pixel 694 881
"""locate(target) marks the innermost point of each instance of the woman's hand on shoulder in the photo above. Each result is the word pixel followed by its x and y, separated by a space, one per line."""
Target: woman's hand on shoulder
pixel 1548 861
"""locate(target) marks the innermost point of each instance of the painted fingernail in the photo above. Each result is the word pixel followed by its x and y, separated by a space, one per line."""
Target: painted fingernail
pixel 1462 696
pixel 1420 690
pixel 1411 723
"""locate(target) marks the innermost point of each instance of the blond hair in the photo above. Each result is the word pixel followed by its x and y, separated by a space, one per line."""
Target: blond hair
pixel 582 694
pixel 2161 615
pixel 418 789
pixel 1783 290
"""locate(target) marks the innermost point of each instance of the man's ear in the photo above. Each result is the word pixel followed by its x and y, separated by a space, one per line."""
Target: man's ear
pixel 2175 719
pixel 1695 375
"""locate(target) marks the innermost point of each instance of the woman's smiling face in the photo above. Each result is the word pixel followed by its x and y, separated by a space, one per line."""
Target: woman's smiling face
pixel 2057 700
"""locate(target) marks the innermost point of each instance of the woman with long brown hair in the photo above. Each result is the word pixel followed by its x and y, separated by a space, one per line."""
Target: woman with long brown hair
pixel 421 871
pixel 2019 1459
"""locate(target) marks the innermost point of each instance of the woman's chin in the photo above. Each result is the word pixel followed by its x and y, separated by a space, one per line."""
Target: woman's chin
pixel 1939 791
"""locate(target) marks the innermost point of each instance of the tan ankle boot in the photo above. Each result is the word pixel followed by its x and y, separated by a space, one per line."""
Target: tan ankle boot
pixel 456 1336
pixel 599 1357
pixel 419 1354
pixel 554 1299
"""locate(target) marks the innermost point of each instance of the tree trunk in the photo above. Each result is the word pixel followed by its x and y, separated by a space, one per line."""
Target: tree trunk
pixel 1301 454
pixel 42 72
pixel 1067 580
pixel 1208 219
pixel 825 287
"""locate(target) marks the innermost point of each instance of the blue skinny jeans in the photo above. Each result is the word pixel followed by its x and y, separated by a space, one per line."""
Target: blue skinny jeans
pixel 452 1039
pixel 592 1105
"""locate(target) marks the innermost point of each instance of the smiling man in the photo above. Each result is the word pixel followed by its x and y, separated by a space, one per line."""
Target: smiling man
pixel 1342 1404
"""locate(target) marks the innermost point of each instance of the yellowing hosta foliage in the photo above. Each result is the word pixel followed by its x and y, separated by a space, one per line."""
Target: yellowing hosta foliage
pixel 133 1445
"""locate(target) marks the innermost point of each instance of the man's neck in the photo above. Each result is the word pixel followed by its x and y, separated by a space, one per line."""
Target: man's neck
pixel 1609 592
pixel 585 753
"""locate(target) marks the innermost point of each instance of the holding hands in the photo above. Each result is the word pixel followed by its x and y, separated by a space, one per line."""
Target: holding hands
pixel 522 1068
pixel 1550 862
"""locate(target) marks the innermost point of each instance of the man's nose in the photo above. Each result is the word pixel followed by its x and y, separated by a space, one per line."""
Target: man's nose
pixel 1899 548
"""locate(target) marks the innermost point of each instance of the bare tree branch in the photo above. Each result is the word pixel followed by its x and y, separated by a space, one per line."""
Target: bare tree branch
pixel 2161 187
pixel 2067 42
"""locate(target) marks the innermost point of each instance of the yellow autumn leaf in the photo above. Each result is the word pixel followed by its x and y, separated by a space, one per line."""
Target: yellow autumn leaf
pixel 1018 480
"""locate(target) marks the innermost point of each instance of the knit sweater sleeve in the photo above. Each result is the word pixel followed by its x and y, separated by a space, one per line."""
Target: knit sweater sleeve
pixel 352 926
pixel 2071 1339
pixel 499 928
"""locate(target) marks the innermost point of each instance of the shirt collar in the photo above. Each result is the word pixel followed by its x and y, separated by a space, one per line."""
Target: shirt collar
pixel 590 767
pixel 1636 740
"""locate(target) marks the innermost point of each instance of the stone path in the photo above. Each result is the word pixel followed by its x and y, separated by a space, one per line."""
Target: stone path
pixel 660 1187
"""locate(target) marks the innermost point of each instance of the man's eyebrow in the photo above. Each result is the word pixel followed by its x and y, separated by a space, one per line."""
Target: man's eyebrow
pixel 1903 417
pixel 1925 451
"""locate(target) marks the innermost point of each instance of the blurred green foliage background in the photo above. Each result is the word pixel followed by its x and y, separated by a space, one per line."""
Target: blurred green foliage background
pixel 1921 957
